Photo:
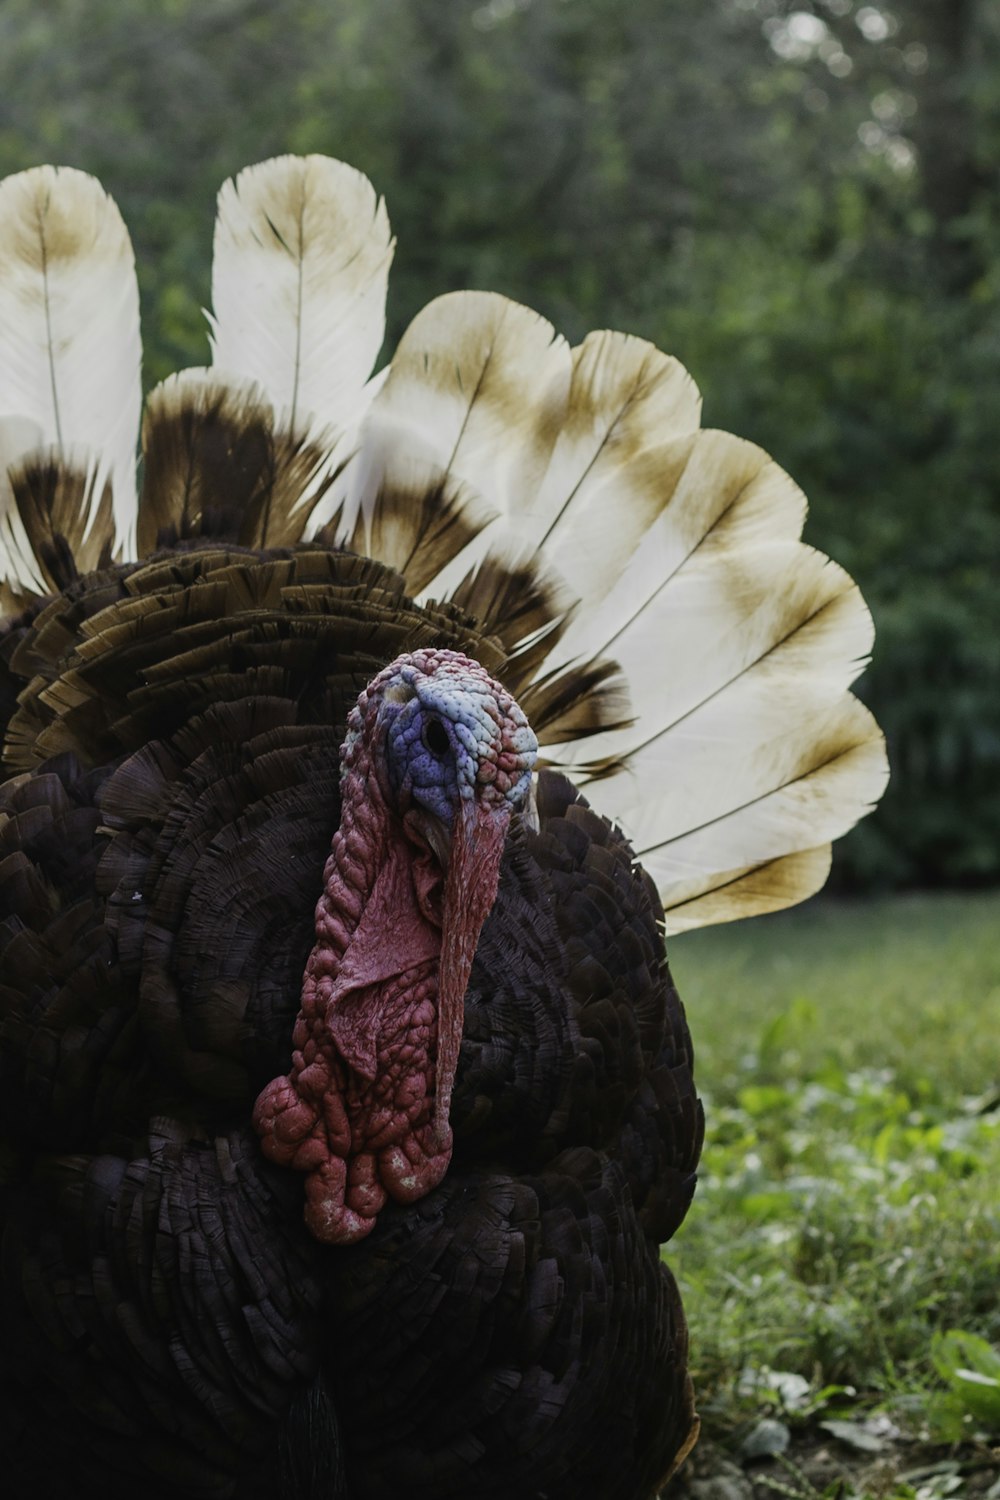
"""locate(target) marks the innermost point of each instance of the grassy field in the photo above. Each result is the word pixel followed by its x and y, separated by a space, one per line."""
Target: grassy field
pixel 841 1262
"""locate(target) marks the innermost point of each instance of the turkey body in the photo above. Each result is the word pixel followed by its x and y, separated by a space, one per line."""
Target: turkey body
pixel 169 1321
pixel 281 893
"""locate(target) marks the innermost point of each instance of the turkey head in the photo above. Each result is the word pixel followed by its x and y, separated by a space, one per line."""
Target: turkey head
pixel 438 757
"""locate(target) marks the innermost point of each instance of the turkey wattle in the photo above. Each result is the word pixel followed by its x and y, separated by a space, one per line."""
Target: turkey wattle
pixel 437 759
pixel 457 1021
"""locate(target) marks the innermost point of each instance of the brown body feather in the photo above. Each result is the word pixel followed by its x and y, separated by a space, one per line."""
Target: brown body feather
pixel 172 1323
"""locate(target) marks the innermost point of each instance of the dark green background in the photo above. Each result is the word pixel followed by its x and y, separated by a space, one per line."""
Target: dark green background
pixel 798 200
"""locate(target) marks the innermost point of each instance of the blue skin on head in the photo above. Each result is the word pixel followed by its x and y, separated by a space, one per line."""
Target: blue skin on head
pixel 443 745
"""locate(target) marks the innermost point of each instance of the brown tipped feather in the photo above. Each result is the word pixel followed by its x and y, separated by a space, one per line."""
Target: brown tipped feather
pixel 576 702
pixel 214 466
pixel 69 331
pixel 416 530
pixel 726 896
pixel 52 499
pixel 521 603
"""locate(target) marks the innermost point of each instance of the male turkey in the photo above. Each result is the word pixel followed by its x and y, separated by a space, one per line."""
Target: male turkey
pixel 341 1168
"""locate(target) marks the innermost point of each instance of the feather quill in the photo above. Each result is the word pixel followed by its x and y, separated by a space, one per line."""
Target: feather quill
pixel 70 350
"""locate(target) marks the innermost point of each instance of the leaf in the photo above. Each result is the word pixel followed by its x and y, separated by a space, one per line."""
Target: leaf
pixel 854 1434
pixel 971 1367
pixel 769 1438
pixel 956 1349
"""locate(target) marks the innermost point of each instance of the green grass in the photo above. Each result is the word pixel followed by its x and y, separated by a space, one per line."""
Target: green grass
pixel 848 1213
pixel 910 983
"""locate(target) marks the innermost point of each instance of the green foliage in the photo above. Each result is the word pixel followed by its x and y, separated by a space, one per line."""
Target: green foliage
pixel 910 985
pixel 797 197
pixel 970 1367
pixel 847 1220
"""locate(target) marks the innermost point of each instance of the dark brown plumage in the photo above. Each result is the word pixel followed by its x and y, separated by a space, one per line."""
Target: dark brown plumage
pixel 166 1313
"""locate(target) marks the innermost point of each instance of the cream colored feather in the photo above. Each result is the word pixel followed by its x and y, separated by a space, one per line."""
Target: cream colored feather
pixel 722 488
pixel 746 754
pixel 728 895
pixel 629 419
pixel 490 452
pixel 302 256
pixel 473 396
pixel 18 564
pixel 613 415
pixel 70 349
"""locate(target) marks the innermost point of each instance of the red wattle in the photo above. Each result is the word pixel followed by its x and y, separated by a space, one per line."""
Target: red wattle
pixel 355 1111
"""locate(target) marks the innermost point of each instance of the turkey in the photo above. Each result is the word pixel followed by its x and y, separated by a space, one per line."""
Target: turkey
pixel 355 768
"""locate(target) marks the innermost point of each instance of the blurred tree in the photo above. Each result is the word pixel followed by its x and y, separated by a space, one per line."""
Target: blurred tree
pixel 862 346
pixel 944 131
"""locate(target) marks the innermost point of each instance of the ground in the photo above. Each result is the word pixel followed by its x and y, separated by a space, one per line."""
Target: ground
pixel 841 1262
pixel 816 1467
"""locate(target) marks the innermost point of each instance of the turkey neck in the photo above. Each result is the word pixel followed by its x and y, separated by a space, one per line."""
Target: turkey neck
pixel 369 840
pixel 378 930
pixel 356 1110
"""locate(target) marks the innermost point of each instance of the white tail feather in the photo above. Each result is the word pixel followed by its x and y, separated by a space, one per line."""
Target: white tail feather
pixel 673 551
pixel 747 754
pixel 70 349
pixel 474 395
pixel 727 493
pixel 629 416
pixel 726 616
pixel 302 256
pixel 728 895
pixel 802 815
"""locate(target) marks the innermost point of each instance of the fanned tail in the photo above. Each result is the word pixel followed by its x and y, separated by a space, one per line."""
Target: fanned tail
pixel 681 653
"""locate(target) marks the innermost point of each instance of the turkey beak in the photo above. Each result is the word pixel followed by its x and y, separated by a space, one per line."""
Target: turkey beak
pixel 469 893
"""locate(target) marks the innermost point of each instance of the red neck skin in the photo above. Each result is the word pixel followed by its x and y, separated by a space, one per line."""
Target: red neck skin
pixel 364 1109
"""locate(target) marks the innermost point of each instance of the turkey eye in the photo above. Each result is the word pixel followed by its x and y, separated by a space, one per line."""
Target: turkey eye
pixel 435 738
